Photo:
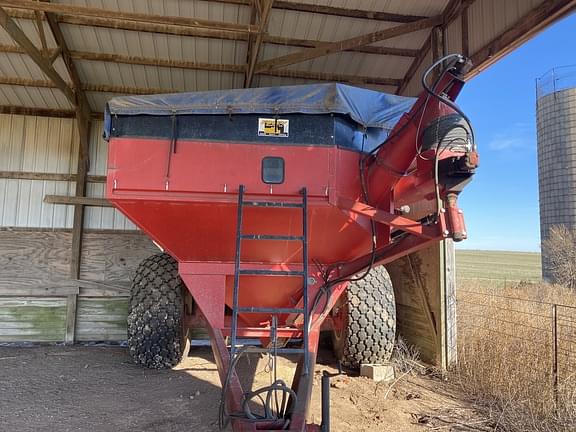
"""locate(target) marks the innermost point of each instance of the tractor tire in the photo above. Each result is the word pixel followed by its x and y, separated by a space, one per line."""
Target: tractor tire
pixel 156 335
pixel 365 321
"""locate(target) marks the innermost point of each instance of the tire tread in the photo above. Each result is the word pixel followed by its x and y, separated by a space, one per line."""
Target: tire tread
pixel 155 310
pixel 371 327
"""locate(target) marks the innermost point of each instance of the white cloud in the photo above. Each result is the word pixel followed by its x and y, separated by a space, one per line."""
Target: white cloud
pixel 516 136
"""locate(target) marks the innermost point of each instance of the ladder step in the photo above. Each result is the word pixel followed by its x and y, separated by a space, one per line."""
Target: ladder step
pixel 272 204
pixel 252 349
pixel 255 272
pixel 270 310
pixel 271 237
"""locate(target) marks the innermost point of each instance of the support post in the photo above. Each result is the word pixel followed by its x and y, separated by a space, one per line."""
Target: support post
pixel 254 46
pixel 555 353
pixel 437 46
pixel 81 176
pixel 465 32
pixel 71 306
pixel 83 120
pixel 448 303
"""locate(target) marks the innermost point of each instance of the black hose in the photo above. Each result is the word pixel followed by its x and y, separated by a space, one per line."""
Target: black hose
pixel 246 414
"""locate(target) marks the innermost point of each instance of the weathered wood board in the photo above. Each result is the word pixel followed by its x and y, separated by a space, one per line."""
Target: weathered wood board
pixel 101 319
pixel 41 259
pixel 43 319
pixel 34 258
pixel 113 257
pixel 32 319
pixel 424 286
pixel 37 294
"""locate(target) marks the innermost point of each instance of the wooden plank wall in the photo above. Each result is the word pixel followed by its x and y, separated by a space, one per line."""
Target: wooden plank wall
pixel 33 319
pixel 36 292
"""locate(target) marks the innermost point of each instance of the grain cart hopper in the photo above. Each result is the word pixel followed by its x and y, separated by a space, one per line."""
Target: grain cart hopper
pixel 273 205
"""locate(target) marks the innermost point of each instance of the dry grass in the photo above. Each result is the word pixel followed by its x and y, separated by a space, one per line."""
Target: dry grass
pixel 560 250
pixel 506 354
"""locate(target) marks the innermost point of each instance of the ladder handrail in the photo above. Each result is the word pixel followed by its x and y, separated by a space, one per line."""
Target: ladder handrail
pixel 238 271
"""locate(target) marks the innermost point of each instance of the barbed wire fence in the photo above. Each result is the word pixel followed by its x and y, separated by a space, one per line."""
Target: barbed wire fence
pixel 542 334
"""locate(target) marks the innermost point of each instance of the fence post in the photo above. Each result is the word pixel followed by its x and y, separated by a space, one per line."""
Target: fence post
pixel 555 353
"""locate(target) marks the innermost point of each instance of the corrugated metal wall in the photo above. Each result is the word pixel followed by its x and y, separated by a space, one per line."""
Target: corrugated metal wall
pixel 490 18
pixel 36 144
pixel 49 145
pixel 101 217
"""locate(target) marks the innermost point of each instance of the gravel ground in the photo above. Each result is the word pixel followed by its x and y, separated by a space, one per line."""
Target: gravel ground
pixel 55 388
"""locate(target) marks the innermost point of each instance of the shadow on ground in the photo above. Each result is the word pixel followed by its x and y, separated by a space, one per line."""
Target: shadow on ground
pixel 99 389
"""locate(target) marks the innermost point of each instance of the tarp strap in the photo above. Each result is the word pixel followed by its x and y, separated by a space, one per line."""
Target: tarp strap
pixel 172 150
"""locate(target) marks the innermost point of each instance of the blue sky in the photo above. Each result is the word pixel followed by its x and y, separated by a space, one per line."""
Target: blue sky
pixel 501 203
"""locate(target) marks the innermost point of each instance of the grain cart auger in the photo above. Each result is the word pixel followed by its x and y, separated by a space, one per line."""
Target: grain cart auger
pixel 272 206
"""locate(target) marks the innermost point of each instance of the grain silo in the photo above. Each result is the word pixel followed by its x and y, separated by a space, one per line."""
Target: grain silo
pixel 556 117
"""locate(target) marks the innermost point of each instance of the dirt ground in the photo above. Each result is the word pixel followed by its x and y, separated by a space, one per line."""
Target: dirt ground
pixel 55 388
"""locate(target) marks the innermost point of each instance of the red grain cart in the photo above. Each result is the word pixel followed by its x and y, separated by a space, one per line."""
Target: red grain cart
pixel 277 208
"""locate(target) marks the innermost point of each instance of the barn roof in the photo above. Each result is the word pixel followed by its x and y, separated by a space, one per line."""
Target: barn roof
pixel 60 55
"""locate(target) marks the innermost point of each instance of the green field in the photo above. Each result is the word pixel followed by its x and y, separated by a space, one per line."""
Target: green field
pixel 498 265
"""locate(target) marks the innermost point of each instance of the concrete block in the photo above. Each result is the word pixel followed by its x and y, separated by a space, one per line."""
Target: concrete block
pixel 378 372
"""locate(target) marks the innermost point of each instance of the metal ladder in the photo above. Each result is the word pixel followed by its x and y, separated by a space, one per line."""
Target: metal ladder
pixel 238 271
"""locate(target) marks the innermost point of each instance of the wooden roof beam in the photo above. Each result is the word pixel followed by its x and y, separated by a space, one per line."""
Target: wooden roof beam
pixel 43 63
pixel 81 102
pixel 44 112
pixel 69 9
pixel 322 76
pixel 40 28
pixel 255 10
pixel 205 33
pixel 415 65
pixel 450 13
pixel 334 11
pixel 36 111
pixel 107 88
pixel 348 13
pixel 368 49
pixel 264 10
pixel 343 45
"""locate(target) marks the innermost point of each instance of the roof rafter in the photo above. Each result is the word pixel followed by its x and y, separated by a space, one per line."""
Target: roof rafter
pixel 450 13
pixel 104 88
pixel 415 65
pixel 334 11
pixel 358 41
pixel 36 111
pixel 264 10
pixel 43 63
pixel 111 23
pixel 81 102
pixel 130 16
pixel 40 27
pixel 89 87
